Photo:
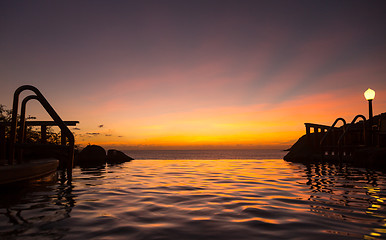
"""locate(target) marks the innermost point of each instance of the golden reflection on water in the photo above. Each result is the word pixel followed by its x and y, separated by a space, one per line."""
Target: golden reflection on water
pixel 243 199
pixel 372 210
pixel 346 195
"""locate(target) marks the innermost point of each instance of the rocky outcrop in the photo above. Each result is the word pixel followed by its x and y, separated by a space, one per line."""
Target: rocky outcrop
pixel 94 155
pixel 115 156
pixel 302 151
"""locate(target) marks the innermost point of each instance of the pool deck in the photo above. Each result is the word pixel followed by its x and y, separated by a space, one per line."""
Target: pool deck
pixel 27 171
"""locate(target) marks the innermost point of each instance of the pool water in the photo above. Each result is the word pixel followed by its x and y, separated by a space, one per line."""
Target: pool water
pixel 200 199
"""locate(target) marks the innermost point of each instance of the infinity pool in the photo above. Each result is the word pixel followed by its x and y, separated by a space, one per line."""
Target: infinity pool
pixel 200 199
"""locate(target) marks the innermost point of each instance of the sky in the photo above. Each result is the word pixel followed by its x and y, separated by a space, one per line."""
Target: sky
pixel 195 74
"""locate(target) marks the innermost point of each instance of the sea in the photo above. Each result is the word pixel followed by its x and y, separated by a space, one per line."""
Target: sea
pixel 209 194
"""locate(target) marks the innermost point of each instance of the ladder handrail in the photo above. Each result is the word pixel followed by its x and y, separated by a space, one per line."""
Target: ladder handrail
pixel 43 101
pixel 331 128
pixel 22 124
pixel 22 116
pixel 23 121
pixel 351 124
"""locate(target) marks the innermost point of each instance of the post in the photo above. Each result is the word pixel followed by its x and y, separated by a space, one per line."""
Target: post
pixel 370 122
pixel 70 161
pixel 2 142
pixel 43 133
pixel 316 138
pixel 307 132
pixel 63 139
pixel 371 111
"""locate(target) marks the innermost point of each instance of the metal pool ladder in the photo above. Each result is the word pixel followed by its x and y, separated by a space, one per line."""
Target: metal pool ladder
pixel 16 145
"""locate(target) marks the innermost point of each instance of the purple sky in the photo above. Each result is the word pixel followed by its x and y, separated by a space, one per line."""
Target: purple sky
pixel 127 64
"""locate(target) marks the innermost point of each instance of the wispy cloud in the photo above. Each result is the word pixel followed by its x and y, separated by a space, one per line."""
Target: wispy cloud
pixel 92 133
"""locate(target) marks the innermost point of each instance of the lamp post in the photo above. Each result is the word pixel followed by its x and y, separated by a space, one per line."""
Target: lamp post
pixel 369 95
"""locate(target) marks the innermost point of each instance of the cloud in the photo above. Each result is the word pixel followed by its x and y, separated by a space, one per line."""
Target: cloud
pixel 92 133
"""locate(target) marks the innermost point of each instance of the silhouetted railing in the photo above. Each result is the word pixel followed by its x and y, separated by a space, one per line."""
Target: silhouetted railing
pixel 329 142
pixel 314 137
pixel 356 137
pixel 43 130
pixel 18 146
pixel 333 141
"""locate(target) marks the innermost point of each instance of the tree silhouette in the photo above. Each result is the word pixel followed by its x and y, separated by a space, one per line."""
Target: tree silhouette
pixel 33 134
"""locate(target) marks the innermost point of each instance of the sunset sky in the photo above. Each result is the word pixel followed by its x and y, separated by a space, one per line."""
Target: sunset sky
pixel 195 74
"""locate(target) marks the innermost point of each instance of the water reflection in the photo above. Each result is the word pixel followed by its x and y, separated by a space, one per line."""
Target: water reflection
pixel 30 210
pixel 350 195
pixel 201 199
pixel 94 171
pixel 99 170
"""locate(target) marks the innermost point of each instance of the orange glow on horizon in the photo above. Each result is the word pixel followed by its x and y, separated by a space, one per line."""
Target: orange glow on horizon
pixel 240 127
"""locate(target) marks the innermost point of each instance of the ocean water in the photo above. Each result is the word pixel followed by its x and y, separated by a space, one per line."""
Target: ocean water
pixel 200 198
pixel 206 154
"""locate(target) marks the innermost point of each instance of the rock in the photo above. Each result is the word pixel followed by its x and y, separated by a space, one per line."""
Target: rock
pixel 92 154
pixel 301 152
pixel 115 156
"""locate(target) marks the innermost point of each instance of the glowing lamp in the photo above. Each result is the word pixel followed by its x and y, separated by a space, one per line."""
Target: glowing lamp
pixel 369 94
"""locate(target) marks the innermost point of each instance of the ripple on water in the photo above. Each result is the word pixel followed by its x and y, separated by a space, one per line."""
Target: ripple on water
pixel 230 199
